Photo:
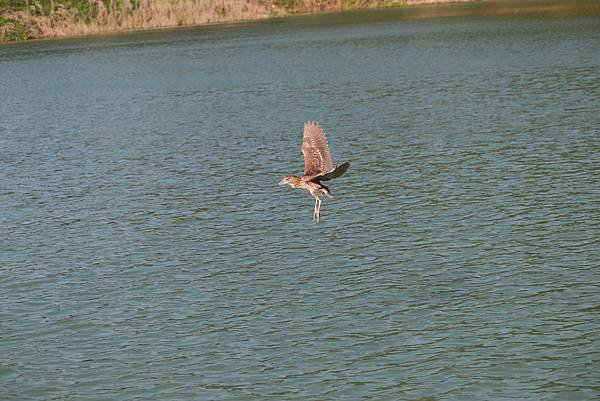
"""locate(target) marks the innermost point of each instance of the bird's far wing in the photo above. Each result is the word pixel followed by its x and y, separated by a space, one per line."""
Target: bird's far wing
pixel 338 171
pixel 317 158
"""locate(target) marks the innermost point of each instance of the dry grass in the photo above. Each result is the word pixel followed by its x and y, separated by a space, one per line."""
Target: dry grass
pixel 119 15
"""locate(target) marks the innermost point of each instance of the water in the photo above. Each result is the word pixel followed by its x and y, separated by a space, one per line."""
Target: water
pixel 148 254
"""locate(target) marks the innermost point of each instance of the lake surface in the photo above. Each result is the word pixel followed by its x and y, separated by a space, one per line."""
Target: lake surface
pixel 146 252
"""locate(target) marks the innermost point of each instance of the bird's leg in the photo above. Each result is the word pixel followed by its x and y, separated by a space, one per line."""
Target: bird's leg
pixel 318 209
pixel 315 211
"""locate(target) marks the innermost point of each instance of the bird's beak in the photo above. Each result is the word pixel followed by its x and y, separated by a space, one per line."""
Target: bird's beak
pixel 282 182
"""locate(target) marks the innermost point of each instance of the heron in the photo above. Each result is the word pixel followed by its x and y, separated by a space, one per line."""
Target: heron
pixel 318 166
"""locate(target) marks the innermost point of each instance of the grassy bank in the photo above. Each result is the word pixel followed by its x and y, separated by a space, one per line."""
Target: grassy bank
pixel 31 19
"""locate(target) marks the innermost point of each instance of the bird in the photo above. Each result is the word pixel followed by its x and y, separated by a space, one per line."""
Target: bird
pixel 318 166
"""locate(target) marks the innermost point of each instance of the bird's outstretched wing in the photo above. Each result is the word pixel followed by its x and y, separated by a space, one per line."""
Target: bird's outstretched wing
pixel 317 159
pixel 338 171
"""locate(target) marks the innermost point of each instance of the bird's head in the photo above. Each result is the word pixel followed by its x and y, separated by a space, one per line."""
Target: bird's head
pixel 291 180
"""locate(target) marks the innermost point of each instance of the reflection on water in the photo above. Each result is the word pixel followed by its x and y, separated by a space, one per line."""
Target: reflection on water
pixel 147 252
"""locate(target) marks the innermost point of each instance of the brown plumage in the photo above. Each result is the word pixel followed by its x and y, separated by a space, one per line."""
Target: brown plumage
pixel 318 166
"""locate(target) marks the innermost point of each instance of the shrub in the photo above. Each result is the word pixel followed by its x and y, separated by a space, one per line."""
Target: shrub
pixel 11 29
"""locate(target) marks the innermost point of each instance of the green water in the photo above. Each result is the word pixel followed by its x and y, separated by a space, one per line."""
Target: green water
pixel 147 253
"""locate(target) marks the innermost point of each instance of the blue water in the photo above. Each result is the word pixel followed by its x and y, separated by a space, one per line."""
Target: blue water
pixel 147 253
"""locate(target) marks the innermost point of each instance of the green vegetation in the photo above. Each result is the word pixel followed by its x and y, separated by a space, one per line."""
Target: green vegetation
pixel 24 19
pixel 16 4
pixel 288 4
pixel 45 6
pixel 11 29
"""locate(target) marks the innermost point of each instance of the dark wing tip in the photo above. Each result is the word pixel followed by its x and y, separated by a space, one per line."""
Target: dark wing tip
pixel 338 171
pixel 342 168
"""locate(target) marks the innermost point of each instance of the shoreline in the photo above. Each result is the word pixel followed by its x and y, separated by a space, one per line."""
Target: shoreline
pixel 51 19
pixel 111 22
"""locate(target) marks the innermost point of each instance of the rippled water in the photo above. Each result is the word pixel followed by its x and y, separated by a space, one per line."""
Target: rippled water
pixel 148 254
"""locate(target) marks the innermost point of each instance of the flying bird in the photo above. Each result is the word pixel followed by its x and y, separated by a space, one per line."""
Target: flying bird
pixel 318 166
